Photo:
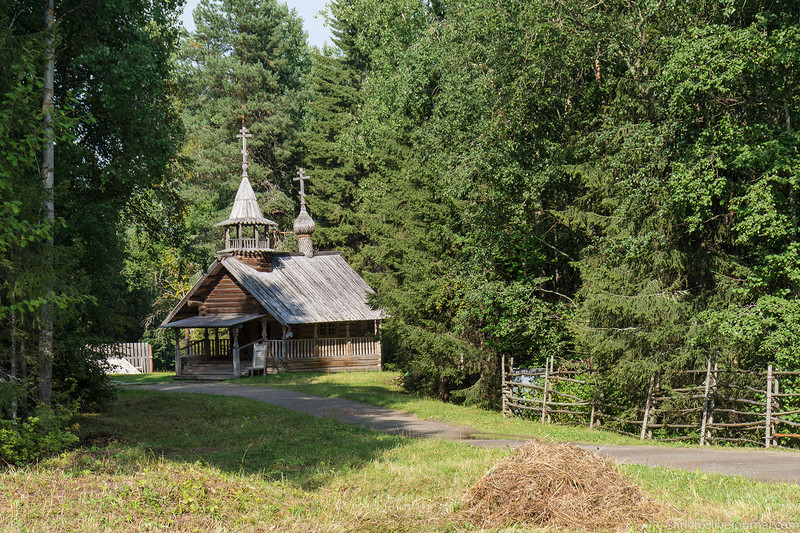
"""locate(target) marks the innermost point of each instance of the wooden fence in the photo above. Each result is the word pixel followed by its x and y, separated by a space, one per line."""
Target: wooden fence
pixel 138 354
pixel 712 405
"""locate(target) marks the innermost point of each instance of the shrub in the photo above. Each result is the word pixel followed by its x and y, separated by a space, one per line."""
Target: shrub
pixel 34 438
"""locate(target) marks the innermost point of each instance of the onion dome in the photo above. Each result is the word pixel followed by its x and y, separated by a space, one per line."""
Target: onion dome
pixel 304 224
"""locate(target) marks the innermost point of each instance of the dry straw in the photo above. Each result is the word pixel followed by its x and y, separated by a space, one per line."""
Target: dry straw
pixel 557 484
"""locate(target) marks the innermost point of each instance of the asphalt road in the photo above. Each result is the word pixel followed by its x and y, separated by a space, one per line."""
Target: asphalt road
pixel 763 465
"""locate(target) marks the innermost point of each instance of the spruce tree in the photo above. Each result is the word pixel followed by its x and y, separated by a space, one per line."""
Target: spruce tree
pixel 243 65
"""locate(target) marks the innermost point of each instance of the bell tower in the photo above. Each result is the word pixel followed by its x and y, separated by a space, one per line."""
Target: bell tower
pixel 246 229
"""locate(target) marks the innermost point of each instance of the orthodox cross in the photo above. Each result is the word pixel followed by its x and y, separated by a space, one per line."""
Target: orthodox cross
pixel 244 135
pixel 301 178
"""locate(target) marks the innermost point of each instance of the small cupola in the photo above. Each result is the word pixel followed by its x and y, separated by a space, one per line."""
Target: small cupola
pixel 304 225
pixel 246 217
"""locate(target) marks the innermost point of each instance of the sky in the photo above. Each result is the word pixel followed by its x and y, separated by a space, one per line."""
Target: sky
pixel 313 22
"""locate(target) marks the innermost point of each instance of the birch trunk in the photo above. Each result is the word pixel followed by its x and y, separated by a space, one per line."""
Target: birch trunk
pixel 48 213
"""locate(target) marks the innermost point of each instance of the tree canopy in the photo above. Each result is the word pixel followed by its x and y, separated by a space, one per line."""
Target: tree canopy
pixel 611 182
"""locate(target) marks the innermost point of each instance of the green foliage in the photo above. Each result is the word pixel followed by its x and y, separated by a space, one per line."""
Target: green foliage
pixel 115 134
pixel 615 182
pixel 243 65
pixel 35 438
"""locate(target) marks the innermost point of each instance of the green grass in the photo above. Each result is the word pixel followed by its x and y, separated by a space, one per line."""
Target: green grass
pixel 181 462
pixel 155 377
pixel 382 389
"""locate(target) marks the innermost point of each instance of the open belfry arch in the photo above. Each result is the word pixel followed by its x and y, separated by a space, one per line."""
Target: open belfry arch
pixel 260 309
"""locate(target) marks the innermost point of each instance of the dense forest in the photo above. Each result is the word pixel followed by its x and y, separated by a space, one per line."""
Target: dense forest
pixel 611 181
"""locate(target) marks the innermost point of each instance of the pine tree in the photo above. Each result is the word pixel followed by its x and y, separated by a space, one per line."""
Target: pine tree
pixel 243 65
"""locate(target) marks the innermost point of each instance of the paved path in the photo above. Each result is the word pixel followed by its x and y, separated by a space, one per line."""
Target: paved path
pixel 763 465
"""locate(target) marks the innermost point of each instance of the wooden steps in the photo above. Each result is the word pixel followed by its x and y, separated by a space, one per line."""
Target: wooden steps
pixel 207 370
pixel 220 370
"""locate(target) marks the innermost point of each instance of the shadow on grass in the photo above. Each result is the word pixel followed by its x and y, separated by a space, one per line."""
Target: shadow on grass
pixel 236 435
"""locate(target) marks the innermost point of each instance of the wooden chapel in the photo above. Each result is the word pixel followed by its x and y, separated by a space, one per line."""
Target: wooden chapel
pixel 260 309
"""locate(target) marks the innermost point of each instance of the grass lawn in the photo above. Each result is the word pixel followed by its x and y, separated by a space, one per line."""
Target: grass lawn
pixel 382 389
pixel 154 377
pixel 180 462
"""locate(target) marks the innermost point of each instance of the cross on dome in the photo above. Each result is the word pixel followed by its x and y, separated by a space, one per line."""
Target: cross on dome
pixel 301 178
pixel 243 134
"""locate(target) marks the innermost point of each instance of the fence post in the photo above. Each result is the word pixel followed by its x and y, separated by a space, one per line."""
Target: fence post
pixel 544 391
pixel 549 395
pixel 777 401
pixel 503 387
pixel 647 406
pixel 705 404
pixel 594 399
pixel 768 425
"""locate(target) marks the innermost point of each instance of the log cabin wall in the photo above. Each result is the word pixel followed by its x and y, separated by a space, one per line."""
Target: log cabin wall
pixel 227 297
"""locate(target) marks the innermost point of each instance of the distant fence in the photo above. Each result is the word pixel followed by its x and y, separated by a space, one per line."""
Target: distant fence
pixel 138 354
pixel 712 405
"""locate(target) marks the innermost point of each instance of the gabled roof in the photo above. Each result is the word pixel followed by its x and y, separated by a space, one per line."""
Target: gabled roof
pixel 298 290
pixel 307 290
pixel 245 208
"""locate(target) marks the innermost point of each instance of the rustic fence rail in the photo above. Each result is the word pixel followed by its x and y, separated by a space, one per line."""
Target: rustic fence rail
pixel 711 405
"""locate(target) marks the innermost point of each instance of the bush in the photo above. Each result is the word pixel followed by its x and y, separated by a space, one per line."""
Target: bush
pixel 34 438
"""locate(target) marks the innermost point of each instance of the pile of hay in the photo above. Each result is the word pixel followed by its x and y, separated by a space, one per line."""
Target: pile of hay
pixel 556 484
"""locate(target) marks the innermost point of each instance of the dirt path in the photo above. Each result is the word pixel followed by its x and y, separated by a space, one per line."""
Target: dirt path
pixel 763 465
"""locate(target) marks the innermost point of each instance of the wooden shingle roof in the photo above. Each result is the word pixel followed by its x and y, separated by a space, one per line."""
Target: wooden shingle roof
pixel 245 207
pixel 307 290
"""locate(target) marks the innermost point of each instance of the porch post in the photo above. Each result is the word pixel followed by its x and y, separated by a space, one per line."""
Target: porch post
pixel 236 352
pixel 177 351
pixel 264 329
pixel 347 336
pixel 283 341
pixel 378 344
pixel 316 340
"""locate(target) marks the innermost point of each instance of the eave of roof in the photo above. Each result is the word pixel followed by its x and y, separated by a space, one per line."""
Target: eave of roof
pixel 212 321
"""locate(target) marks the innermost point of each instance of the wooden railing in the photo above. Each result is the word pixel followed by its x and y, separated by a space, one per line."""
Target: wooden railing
pixel 330 347
pixel 208 348
pixel 295 348
pixel 247 243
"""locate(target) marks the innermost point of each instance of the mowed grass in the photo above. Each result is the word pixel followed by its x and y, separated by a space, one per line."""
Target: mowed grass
pixel 153 377
pixel 180 462
pixel 383 389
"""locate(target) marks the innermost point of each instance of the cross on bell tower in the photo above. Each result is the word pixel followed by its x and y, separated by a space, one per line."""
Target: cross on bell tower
pixel 243 135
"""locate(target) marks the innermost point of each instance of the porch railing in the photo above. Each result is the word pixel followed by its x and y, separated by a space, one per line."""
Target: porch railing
pixel 205 348
pixel 295 348
pixel 330 347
